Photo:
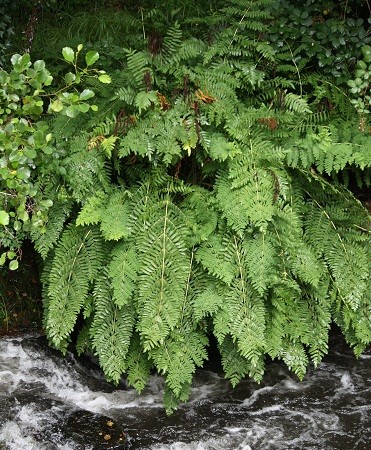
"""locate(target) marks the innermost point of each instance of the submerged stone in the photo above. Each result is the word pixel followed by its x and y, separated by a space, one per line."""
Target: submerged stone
pixel 95 431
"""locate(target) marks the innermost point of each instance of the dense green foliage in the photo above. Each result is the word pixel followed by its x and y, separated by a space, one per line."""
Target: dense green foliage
pixel 207 195
pixel 28 156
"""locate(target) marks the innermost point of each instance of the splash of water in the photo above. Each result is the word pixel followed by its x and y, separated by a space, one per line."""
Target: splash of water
pixel 42 394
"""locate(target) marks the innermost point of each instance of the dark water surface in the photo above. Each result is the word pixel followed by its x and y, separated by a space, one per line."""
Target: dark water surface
pixel 51 403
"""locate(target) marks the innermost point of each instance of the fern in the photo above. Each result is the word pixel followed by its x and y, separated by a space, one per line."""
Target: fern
pixel 138 365
pixel 138 64
pixel 111 330
pixel 45 238
pixel 235 366
pixel 261 260
pixel 206 198
pixel 253 190
pixel 77 260
pixel 123 270
pixel 163 255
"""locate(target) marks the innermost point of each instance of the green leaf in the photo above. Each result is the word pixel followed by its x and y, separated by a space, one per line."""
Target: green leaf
pixel 104 78
pixel 84 107
pixel 13 265
pixel 72 111
pixel 23 215
pixel 86 94
pixel 2 259
pixel 144 99
pixel 4 218
pixel 39 65
pixel 56 106
pixel 91 57
pixel 68 54
pixel 69 77
pixel 47 150
pixel 15 58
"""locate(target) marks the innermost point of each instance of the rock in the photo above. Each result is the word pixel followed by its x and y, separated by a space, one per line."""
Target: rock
pixel 95 431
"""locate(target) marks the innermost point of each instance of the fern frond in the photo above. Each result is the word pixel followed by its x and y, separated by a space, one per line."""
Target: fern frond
pixel 294 355
pixel 247 312
pixel 297 104
pixel 345 259
pixel 235 366
pixel 183 350
pixel 261 260
pixel 138 63
pixel 115 216
pixel 164 263
pixel 45 239
pixel 111 329
pixel 216 256
pixel 86 170
pixel 77 260
pixel 123 271
pixel 138 365
pixel 252 190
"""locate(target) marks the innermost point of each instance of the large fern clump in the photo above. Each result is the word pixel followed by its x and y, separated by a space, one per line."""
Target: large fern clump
pixel 207 198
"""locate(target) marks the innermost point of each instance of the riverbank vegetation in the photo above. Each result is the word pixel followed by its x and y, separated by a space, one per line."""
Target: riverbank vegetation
pixel 188 172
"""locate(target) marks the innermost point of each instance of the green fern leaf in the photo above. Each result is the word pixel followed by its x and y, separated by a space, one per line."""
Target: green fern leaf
pixel 261 260
pixel 77 260
pixel 115 217
pixel 164 263
pixel 111 330
pixel 45 239
pixel 123 271
pixel 138 365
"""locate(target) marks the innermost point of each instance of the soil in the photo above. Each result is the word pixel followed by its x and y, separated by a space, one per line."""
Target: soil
pixel 20 295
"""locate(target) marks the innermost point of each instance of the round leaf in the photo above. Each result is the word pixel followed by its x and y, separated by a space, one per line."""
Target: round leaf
pixel 91 57
pixel 4 218
pixel 39 65
pixel 106 79
pixel 83 107
pixel 72 111
pixel 13 265
pixel 68 54
pixel 86 94
pixel 69 77
pixel 57 105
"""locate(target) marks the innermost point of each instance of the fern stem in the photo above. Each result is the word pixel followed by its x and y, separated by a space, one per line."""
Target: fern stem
pixel 331 222
pixel 187 288
pixel 240 269
pixel 297 69
pixel 164 249
pixel 76 255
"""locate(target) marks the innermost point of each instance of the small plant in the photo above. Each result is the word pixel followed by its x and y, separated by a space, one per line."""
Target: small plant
pixel 360 86
pixel 27 147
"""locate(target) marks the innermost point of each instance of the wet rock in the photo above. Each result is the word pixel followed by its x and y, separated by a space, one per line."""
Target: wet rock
pixel 95 431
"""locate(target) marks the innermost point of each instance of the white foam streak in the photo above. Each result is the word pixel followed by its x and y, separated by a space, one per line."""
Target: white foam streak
pixel 64 383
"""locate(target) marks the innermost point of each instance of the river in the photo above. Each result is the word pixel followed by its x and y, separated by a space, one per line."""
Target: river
pixel 48 402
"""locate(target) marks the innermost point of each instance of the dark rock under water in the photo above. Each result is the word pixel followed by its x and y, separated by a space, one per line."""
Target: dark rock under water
pixel 48 402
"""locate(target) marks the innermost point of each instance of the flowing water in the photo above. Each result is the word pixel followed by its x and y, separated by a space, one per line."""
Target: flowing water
pixel 51 403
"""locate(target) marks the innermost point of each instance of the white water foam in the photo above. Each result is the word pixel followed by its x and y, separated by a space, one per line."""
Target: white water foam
pixel 280 415
pixel 24 432
pixel 35 368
